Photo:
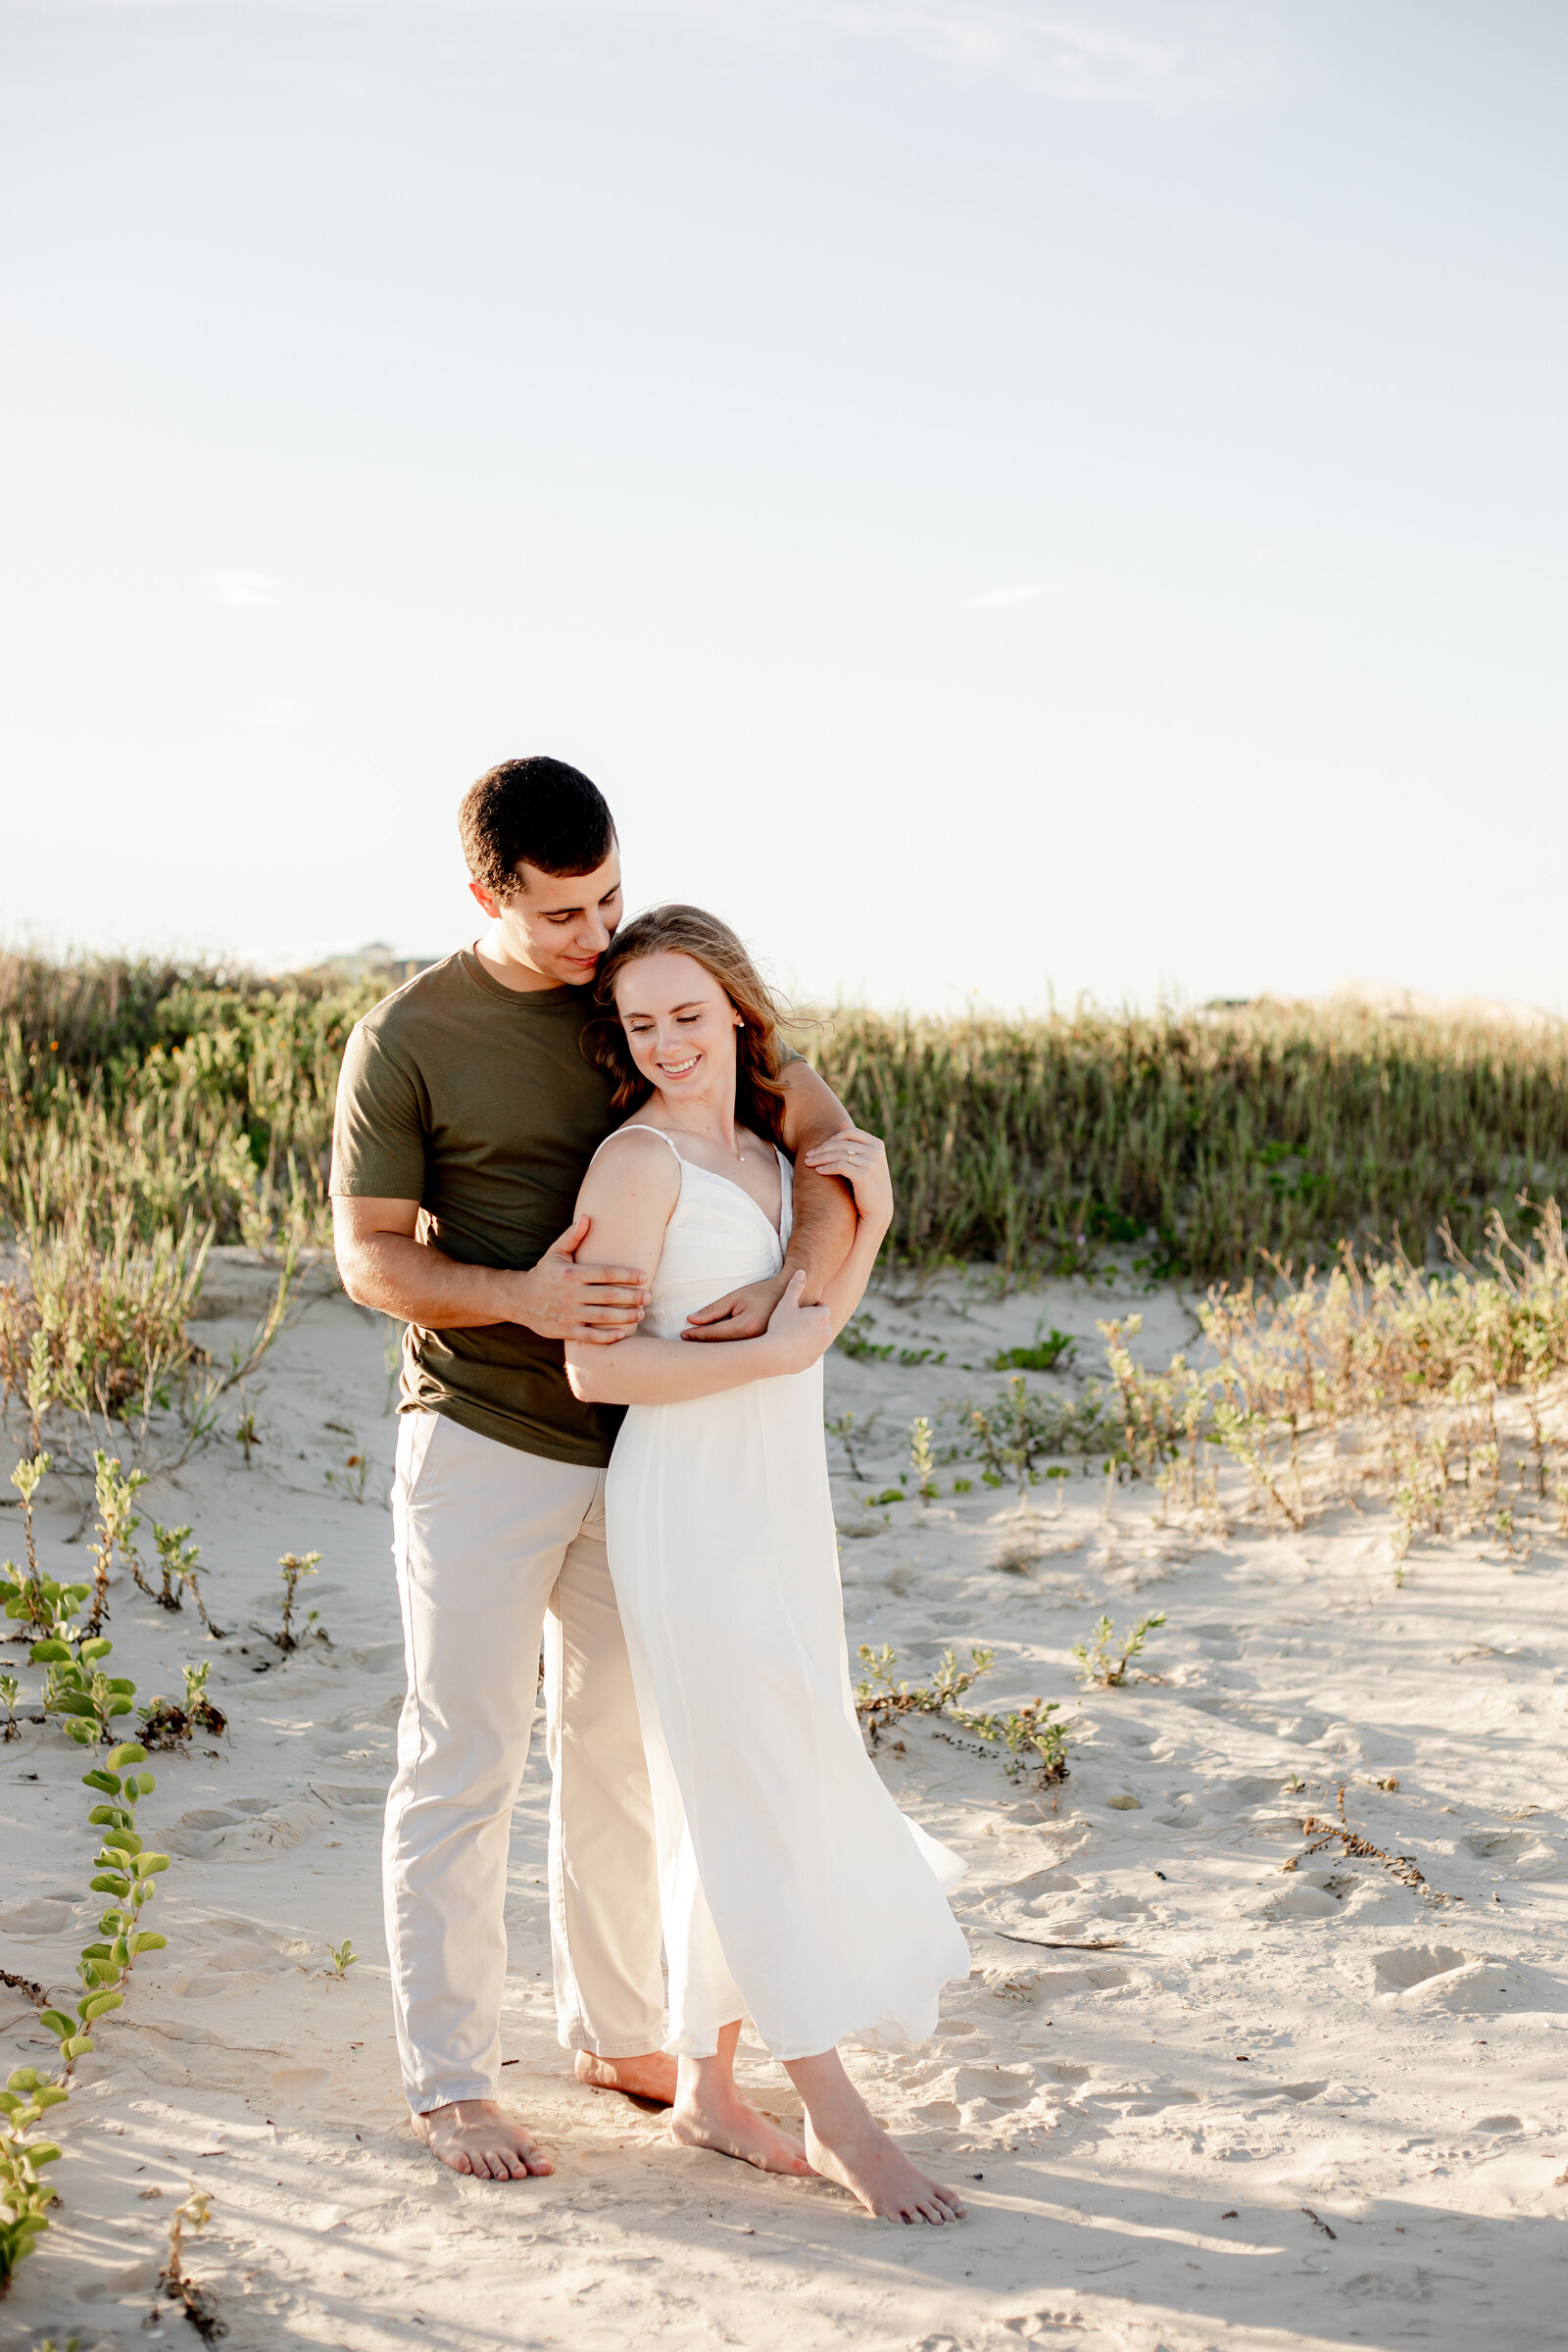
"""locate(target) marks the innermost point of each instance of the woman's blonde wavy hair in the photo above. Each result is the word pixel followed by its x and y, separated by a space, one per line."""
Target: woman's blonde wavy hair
pixel 759 1048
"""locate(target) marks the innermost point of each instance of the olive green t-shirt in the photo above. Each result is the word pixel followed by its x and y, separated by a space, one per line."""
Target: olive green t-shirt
pixel 479 1102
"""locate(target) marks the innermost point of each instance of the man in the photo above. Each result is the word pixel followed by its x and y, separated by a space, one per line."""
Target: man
pixel 467 1111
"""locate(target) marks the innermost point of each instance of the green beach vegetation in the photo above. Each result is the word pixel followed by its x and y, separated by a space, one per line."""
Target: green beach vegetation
pixel 141 1099
pixel 1371 1197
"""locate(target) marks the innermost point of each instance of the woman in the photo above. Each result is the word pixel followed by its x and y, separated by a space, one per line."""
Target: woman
pixel 793 1888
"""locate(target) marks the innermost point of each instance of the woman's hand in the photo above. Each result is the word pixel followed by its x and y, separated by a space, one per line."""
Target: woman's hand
pixel 861 1160
pixel 798 1336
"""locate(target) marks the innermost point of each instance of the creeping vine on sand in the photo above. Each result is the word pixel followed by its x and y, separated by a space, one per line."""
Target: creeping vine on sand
pixel 1029 1738
pixel 126 1868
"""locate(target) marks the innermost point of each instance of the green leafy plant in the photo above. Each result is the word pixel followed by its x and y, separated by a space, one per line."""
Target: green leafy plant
pixel 78 1688
pixel 1043 1355
pixel 41 1602
pixel 879 1698
pixel 167 1725
pixel 1030 1736
pixel 180 1561
pixel 1013 1432
pixel 1244 1436
pixel 849 1435
pixel 1101 1663
pixel 127 1869
pixel 294 1567
pixel 24 2198
pixel 114 1491
pixel 921 1460
pixel 27 1476
pixel 33 1599
pixel 343 1957
pixel 853 1341
pixel 10 1691
pixel 351 1478
pixel 124 1867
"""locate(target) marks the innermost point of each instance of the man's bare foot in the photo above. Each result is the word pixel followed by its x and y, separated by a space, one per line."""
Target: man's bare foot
pixel 721 2120
pixel 475 2136
pixel 650 2076
pixel 874 2168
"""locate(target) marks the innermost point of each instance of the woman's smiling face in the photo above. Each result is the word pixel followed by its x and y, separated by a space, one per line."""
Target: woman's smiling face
pixel 680 1026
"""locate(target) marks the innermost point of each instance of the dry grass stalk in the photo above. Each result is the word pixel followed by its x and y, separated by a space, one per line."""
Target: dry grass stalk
pixel 1327 1832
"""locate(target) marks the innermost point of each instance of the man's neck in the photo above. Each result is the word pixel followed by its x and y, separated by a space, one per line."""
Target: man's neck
pixel 522 978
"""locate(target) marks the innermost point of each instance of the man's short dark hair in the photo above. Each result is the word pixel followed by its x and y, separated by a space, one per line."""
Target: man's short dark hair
pixel 535 812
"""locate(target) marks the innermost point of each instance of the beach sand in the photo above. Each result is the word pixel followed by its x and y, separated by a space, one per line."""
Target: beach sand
pixel 1271 2108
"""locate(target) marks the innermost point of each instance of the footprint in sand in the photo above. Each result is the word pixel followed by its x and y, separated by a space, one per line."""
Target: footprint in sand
pixel 1302 1902
pixel 1519 1851
pixel 1027 1981
pixel 251 1825
pixel 1437 1976
pixel 44 1915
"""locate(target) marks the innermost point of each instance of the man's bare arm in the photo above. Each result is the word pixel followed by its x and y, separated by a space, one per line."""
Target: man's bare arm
pixel 384 1266
pixel 823 1233
pixel 825 1221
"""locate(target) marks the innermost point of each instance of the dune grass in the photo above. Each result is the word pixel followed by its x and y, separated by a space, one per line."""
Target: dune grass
pixel 147 1109
pixel 1198 1139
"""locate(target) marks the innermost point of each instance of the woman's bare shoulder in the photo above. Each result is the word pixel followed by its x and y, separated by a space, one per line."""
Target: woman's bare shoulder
pixel 637 1152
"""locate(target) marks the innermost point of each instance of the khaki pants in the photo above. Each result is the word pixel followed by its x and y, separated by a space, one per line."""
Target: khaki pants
pixel 494 1546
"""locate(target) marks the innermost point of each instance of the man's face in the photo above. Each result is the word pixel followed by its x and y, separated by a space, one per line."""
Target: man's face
pixel 558 925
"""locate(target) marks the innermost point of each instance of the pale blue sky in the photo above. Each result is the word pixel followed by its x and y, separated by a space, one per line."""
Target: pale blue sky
pixel 1000 496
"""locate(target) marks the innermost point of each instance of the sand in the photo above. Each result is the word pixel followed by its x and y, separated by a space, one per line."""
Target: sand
pixel 1304 2108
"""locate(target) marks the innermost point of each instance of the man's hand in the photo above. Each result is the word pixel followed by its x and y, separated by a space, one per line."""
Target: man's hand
pixel 742 1315
pixel 564 1300
pixel 385 1266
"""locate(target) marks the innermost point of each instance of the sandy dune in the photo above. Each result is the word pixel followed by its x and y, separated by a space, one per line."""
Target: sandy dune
pixel 1276 2109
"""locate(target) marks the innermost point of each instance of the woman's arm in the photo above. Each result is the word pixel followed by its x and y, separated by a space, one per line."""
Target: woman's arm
pixel 630 1194
pixel 823 1231
pixel 649 1371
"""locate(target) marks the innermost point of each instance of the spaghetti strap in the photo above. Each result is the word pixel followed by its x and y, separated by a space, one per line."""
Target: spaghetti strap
pixel 639 1127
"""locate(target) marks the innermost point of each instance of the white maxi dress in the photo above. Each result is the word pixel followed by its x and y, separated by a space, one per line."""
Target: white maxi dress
pixel 793 1888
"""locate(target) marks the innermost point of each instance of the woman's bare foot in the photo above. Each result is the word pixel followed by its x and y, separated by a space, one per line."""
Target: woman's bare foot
pixel 874 2168
pixel 732 2126
pixel 847 2144
pixel 475 2136
pixel 710 2113
pixel 650 2076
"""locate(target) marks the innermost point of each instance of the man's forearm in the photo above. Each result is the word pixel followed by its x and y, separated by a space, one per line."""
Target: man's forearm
pixel 399 1276
pixel 824 1230
pixel 825 1218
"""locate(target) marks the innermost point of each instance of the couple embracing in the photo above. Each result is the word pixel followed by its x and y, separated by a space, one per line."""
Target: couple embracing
pixel 624 1225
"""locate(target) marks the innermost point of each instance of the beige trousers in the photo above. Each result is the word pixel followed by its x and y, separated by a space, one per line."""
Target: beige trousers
pixel 492 1547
